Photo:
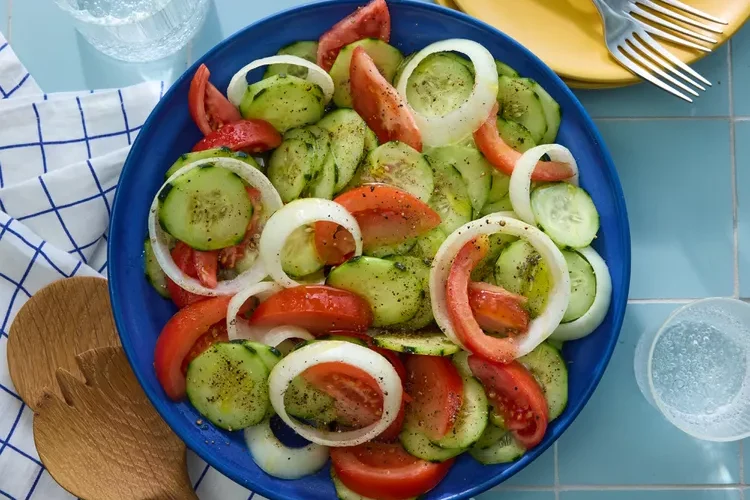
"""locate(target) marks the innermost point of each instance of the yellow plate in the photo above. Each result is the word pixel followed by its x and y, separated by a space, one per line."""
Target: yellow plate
pixel 567 34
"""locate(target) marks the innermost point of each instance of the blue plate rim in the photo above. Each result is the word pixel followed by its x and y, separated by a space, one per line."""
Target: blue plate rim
pixel 619 308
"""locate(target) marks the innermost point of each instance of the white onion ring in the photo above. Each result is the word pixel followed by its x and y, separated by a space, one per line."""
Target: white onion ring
pixel 467 118
pixel 281 461
pixel 239 329
pixel 315 74
pixel 542 326
pixel 295 214
pixel 327 351
pixel 279 334
pixel 592 318
pixel 519 189
pixel 270 200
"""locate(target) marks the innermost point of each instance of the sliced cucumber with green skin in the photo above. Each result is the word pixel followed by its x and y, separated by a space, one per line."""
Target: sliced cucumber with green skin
pixel 303 401
pixel 154 273
pixel 399 165
pixel 556 343
pixel 499 186
pixel 401 67
pixel 505 70
pixel 222 152
pixel 323 183
pixel 552 112
pixel 306 49
pixel 348 134
pixel 207 208
pixel 520 269
pixel 268 354
pixel 384 251
pixel 450 198
pixel 472 418
pixel 299 257
pixel 439 84
pixel 485 269
pixel 549 369
pixel 566 213
pixel 501 205
pixel 519 103
pixel 420 446
pixel 515 135
pixel 386 57
pixel 291 167
pixel 496 446
pixel 285 101
pixel 475 170
pixel 317 137
pixel 421 269
pixel 427 343
pixel 582 286
pixel 394 293
pixel 343 338
pixel 428 245
pixel 371 141
pixel 228 384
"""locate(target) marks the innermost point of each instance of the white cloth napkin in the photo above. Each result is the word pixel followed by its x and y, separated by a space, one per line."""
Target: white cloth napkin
pixel 60 161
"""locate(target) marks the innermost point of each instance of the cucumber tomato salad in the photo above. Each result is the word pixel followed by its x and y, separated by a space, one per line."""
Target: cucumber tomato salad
pixel 384 253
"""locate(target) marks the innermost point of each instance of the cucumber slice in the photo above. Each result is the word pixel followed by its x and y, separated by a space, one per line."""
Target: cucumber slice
pixel 496 446
pixel 428 245
pixel 427 343
pixel 399 165
pixel 386 57
pixel 307 50
pixel 505 70
pixel 154 273
pixel 343 338
pixel 391 290
pixel 566 213
pixel 471 420
pixel 228 384
pixel 461 362
pixel 223 151
pixel 421 270
pixel 299 257
pixel 391 250
pixel 318 138
pixel 499 186
pixel 515 135
pixel 207 208
pixel 450 197
pixel 324 185
pixel 348 134
pixel 439 84
pixel 485 269
pixel 419 445
pixel 582 286
pixel 291 167
pixel 401 67
pixel 549 369
pixel 552 112
pixel 475 170
pixel 371 141
pixel 519 103
pixel 520 269
pixel 268 354
pixel 303 401
pixel 501 205
pixel 285 101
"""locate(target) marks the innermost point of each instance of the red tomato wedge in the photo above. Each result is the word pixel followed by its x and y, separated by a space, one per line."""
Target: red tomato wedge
pixel 178 337
pixel 206 266
pixel 379 104
pixel 359 400
pixel 317 308
pixel 216 333
pixel 504 157
pixel 468 331
pixel 498 310
pixel 250 136
pixel 437 392
pixel 371 21
pixel 386 216
pixel 386 471
pixel 516 395
pixel 208 106
pixel 229 256
pixel 182 255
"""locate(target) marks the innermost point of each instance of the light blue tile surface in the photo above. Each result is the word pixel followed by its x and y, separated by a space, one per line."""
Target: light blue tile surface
pixel 742 158
pixel 741 71
pixel 620 439
pixel 723 494
pixel 680 221
pixel 4 17
pixel 541 472
pixel 517 495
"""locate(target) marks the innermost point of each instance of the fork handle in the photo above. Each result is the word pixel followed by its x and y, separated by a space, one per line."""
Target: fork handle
pixel 604 9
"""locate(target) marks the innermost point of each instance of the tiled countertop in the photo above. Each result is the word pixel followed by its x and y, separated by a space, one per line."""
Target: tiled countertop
pixel 686 175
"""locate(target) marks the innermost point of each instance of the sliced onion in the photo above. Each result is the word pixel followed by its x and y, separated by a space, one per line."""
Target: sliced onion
pixel 279 334
pixel 270 200
pixel 467 118
pixel 238 328
pixel 519 190
pixel 591 320
pixel 315 74
pixel 299 213
pixel 542 326
pixel 281 461
pixel 336 351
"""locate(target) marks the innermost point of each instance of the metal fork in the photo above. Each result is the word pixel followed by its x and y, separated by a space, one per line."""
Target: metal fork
pixel 629 41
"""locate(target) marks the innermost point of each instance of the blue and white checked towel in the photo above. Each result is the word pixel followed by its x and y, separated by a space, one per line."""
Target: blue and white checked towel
pixel 60 160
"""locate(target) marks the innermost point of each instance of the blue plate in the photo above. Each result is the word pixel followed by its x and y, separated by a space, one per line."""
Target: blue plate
pixel 140 313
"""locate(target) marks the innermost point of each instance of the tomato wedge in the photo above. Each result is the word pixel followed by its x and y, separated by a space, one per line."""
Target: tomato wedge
pixel 379 105
pixel 516 395
pixel 468 331
pixel 182 255
pixel 498 310
pixel 250 136
pixel 206 266
pixel 437 392
pixel 208 106
pixel 216 333
pixel 386 216
pixel 386 471
pixel 371 21
pixel 504 157
pixel 178 337
pixel 229 256
pixel 317 308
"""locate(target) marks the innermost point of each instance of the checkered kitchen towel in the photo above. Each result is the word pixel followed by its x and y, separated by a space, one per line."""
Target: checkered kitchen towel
pixel 60 160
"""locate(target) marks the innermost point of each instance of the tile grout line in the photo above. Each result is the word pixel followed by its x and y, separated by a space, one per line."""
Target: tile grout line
pixel 733 167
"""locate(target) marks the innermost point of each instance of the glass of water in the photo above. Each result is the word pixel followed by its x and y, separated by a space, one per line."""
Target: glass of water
pixel 696 369
pixel 137 30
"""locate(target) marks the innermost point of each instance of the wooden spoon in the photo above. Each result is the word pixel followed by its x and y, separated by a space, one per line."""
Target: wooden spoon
pixel 104 440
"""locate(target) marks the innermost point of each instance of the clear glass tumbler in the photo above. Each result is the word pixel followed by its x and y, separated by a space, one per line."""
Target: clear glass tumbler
pixel 137 30
pixel 695 369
